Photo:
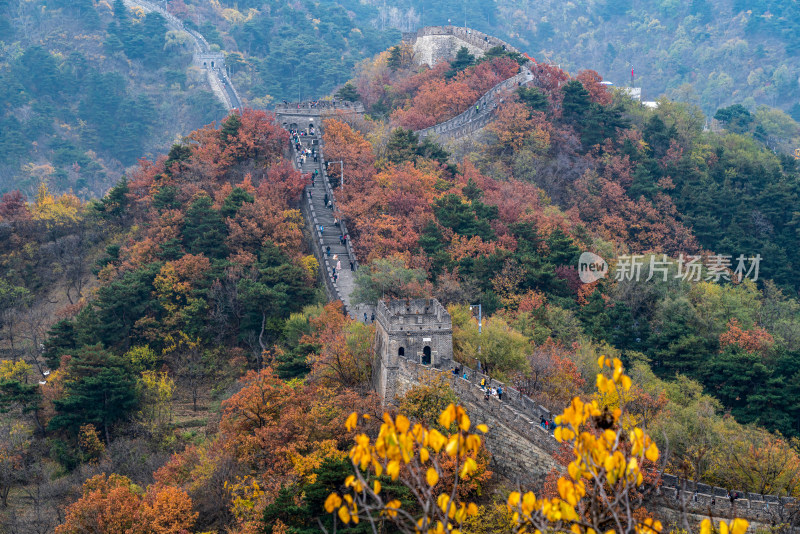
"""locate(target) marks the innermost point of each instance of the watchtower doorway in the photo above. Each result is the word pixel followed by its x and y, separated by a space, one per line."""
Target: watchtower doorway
pixel 426 355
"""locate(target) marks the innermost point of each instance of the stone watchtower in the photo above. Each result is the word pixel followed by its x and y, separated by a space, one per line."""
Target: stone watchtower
pixel 419 330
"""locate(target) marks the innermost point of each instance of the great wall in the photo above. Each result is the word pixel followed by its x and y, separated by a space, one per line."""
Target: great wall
pixel 410 350
pixel 204 57
pixel 521 448
pixel 436 43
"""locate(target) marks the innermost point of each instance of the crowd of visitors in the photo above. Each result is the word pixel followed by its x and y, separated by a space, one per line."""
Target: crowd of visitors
pixel 304 153
pixel 306 149
pixel 497 392
pixel 318 104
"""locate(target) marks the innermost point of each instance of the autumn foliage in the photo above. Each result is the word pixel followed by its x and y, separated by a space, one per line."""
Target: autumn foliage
pixel 755 340
pixel 271 434
pixel 437 100
pixel 206 317
pixel 115 504
pixel 607 467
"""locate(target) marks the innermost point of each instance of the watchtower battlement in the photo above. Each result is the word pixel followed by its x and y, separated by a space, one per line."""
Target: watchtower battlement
pixel 419 330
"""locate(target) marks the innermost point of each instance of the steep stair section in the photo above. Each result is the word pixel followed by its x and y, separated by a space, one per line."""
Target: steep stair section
pixel 321 216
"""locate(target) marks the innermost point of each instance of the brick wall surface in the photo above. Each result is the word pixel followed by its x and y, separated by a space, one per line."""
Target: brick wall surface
pixel 521 450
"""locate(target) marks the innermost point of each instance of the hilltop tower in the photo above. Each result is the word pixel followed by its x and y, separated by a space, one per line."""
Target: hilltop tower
pixel 420 330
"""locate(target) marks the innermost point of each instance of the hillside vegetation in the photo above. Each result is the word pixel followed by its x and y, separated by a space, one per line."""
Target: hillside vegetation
pixel 566 167
pixel 288 51
pixel 170 362
pixel 85 91
pixel 89 87
pixel 713 53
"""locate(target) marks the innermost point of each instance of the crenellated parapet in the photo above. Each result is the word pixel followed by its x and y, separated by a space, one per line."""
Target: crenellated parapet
pixel 301 114
pixel 522 448
pixel 433 44
pixel 480 114
pixel 416 330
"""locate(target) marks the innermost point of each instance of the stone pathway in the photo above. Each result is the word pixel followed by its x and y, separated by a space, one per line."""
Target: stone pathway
pixel 330 234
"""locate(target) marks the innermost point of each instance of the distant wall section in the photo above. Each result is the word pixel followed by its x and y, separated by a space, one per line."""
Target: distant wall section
pixel 431 49
pixel 433 44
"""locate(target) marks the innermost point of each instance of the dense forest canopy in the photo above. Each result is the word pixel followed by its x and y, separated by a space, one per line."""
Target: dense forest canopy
pixel 128 65
pixel 86 84
pixel 288 51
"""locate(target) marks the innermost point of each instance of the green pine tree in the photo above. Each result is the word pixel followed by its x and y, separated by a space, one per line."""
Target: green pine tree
pixel 533 97
pixel 348 92
pixel 234 201
pixel 99 389
pixel 204 231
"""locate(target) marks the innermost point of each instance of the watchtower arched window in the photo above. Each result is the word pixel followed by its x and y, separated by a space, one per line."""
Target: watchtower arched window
pixel 401 351
pixel 426 355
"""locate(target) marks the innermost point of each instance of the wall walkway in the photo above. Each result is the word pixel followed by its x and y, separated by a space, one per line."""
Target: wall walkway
pixel 480 113
pixel 521 448
pixel 323 234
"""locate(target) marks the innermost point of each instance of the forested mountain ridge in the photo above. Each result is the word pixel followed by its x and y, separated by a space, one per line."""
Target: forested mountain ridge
pixel 202 384
pixel 84 85
pixel 88 87
pixel 288 51
pixel 571 166
pixel 713 53
pixel 176 280
pixel 268 47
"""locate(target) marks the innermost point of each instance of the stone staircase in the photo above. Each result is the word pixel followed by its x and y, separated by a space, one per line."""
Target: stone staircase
pixel 325 233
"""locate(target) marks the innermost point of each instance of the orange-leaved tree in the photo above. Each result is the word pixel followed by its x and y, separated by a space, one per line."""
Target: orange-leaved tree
pixel 344 357
pixel 756 340
pixel 115 504
pixel 595 495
